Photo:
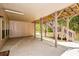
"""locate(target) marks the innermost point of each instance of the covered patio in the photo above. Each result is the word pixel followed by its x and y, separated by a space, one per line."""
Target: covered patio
pixel 20 22
pixel 52 21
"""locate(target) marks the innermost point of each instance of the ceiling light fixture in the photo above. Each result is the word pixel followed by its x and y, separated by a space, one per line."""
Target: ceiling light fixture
pixel 14 12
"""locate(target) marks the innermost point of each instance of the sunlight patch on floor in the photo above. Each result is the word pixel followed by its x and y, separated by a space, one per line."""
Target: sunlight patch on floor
pixel 69 44
pixel 73 52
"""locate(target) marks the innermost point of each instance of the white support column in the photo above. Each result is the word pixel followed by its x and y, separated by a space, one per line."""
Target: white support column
pixel 67 29
pixel 68 20
pixel 34 29
pixel 45 30
pixel 41 24
pixel 61 33
pixel 56 34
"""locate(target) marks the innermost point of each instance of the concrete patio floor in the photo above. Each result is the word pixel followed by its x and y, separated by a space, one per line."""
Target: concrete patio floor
pixel 32 47
pixel 73 47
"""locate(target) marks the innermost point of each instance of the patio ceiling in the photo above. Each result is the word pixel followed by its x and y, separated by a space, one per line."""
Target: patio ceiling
pixel 33 11
pixel 72 10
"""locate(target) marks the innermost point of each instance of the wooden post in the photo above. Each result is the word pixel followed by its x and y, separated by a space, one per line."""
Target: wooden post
pixel 56 34
pixel 68 20
pixel 61 33
pixel 45 30
pixel 34 29
pixel 41 22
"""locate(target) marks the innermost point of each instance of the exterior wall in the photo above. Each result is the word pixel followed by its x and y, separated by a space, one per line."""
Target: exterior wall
pixel 17 28
pixel 20 28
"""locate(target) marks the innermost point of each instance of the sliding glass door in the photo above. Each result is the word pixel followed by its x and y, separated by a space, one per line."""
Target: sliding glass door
pixel 4 29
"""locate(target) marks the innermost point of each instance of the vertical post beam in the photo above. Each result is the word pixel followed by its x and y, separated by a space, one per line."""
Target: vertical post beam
pixel 34 29
pixel 45 30
pixel 68 20
pixel 67 29
pixel 41 24
pixel 61 33
pixel 56 34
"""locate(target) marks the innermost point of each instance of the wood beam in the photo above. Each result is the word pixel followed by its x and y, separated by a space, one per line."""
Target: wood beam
pixel 72 10
pixel 60 13
pixel 67 35
pixel 41 24
pixel 67 12
pixel 45 30
pixel 34 29
pixel 77 4
pixel 56 32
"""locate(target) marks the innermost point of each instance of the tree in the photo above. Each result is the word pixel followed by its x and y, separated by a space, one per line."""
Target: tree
pixel 74 24
pixel 62 22
pixel 50 30
pixel 38 27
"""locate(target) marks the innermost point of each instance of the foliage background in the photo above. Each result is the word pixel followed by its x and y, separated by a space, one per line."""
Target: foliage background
pixel 73 25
